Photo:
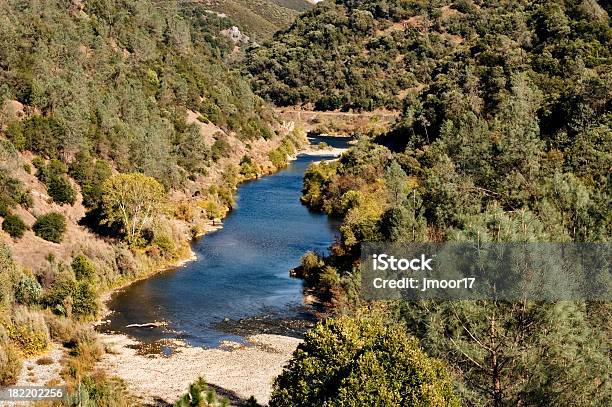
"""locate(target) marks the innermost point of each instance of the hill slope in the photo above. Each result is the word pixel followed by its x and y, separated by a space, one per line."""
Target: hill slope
pixel 367 54
pixel 95 89
pixel 260 18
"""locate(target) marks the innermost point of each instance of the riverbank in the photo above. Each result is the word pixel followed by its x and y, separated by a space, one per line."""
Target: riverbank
pixel 161 369
pixel 236 371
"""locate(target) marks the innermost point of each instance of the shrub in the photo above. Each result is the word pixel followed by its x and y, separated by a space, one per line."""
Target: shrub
pixel 60 190
pixel 200 394
pixel 13 191
pixel 28 330
pixel 166 245
pixel 100 390
pixel 85 300
pixel 69 297
pixel 278 158
pixel 51 227
pixel 10 363
pixel 362 362
pixel 14 226
pixel 86 350
pixel 220 149
pixel 83 268
pixel 14 132
pixel 61 329
pixel 4 209
pixel 28 291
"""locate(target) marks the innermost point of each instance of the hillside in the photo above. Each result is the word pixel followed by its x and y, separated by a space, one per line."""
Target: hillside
pixel 123 134
pixel 355 54
pixel 508 138
pixel 259 18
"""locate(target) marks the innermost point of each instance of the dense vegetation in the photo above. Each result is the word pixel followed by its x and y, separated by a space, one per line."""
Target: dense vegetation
pixel 114 79
pixel 361 362
pixel 129 112
pixel 367 54
pixel 510 140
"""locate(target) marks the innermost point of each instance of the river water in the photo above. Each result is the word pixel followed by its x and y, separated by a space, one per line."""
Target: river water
pixel 241 273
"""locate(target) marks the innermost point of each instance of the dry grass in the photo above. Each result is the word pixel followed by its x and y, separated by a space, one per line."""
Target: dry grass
pixel 46 360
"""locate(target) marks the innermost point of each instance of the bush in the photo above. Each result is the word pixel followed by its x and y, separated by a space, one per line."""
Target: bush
pixel 10 363
pixel 51 227
pixel 13 191
pixel 4 209
pixel 28 330
pixel 200 394
pixel 14 226
pixel 85 300
pixel 100 390
pixel 69 297
pixel 61 329
pixel 60 190
pixel 278 158
pixel 362 362
pixel 83 268
pixel 220 149
pixel 28 291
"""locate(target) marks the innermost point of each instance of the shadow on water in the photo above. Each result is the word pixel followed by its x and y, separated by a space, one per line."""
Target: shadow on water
pixel 240 284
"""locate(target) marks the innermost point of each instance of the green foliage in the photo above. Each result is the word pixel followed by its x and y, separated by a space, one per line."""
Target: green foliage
pixel 13 192
pixel 14 226
pixel 28 291
pixel 90 175
pixel 119 83
pixel 134 200
pixel 61 191
pixel 248 168
pixel 9 277
pixel 200 395
pixel 517 353
pixel 261 18
pixel 508 141
pixel 51 227
pixel 220 149
pixel 359 362
pixel 69 297
pixel 278 158
pixel 100 390
pixel 83 268
pixel 53 175
pixel 4 209
pixel 345 54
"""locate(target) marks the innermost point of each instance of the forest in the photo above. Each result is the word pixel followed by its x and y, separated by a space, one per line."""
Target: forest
pixel 124 131
pixel 509 140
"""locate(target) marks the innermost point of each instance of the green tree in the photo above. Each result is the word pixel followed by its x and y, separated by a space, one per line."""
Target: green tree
pixel 362 362
pixel 60 190
pixel 396 182
pixel 50 226
pixel 14 226
pixel 133 200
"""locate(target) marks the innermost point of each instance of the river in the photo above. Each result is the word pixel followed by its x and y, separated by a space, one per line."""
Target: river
pixel 240 281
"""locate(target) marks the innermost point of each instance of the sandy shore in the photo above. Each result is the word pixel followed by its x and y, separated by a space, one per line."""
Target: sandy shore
pixel 235 371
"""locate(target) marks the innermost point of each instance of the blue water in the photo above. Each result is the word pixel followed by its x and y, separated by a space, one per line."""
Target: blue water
pixel 241 271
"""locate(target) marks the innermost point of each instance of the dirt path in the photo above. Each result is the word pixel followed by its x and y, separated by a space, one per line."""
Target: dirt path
pixel 235 371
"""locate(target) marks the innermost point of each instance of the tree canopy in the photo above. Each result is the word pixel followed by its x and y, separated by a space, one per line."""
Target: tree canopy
pixel 362 362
